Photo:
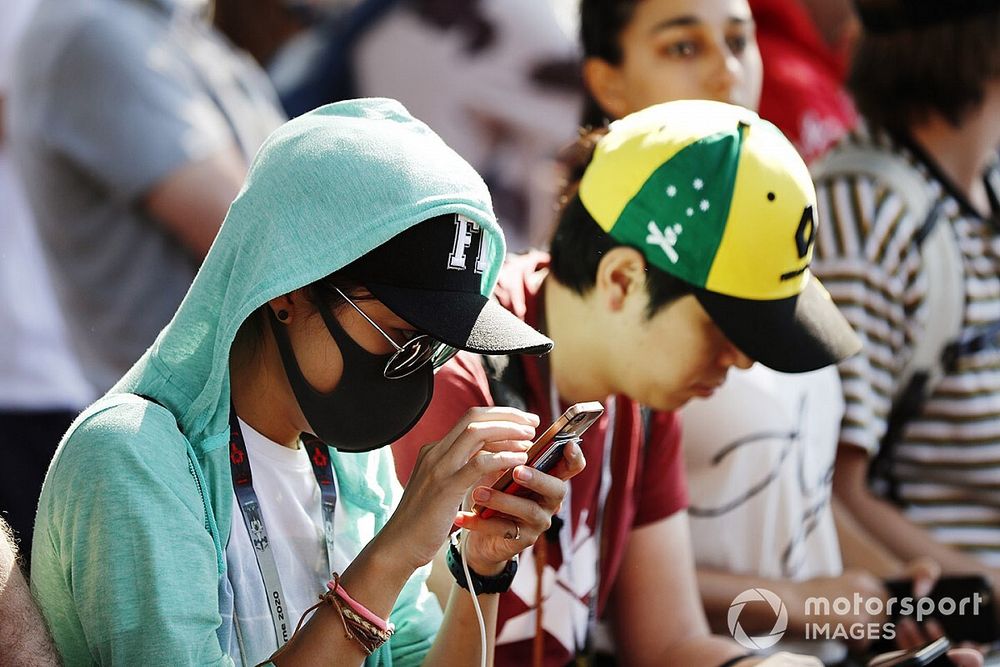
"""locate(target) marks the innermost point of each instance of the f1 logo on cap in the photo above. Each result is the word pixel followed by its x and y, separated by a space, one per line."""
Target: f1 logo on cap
pixel 805 234
pixel 465 231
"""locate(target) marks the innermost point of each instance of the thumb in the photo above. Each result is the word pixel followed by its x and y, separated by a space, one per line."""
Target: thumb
pixel 925 573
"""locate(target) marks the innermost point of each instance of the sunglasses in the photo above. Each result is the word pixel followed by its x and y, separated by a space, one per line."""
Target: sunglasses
pixel 413 354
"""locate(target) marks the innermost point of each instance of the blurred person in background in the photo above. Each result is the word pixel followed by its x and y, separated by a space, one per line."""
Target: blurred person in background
pixel 926 79
pixel 805 46
pixel 132 123
pixel 759 453
pixel 496 78
pixel 41 386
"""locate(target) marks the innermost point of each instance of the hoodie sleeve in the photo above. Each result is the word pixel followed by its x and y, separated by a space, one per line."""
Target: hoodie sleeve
pixel 124 567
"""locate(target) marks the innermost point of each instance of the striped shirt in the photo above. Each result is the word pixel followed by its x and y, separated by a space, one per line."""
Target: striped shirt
pixel 947 464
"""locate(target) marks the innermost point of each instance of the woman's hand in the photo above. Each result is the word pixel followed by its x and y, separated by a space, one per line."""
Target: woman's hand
pixel 492 542
pixel 485 442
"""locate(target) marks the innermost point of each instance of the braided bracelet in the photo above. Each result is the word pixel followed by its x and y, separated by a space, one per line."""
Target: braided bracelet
pixel 360 623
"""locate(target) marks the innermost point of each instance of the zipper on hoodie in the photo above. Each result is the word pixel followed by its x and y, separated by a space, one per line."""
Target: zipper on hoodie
pixel 201 493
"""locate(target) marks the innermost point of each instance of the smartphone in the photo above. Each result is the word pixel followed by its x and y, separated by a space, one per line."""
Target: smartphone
pixel 934 654
pixel 547 449
pixel 964 623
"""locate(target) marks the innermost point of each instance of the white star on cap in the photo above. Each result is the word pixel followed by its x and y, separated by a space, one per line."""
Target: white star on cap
pixel 671 190
pixel 703 205
pixel 690 212
pixel 698 184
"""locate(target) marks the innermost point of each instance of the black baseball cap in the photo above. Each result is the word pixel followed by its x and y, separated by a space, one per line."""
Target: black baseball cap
pixel 430 275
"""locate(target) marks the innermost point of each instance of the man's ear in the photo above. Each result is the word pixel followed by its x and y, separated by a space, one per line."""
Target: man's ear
pixel 605 83
pixel 621 273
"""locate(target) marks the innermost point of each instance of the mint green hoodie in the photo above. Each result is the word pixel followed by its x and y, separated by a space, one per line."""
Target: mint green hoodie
pixel 129 546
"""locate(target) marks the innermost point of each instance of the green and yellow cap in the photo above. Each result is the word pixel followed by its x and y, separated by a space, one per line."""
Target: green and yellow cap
pixel 719 198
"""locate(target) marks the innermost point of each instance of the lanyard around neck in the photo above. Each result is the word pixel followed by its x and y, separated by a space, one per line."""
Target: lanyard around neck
pixel 565 514
pixel 239 462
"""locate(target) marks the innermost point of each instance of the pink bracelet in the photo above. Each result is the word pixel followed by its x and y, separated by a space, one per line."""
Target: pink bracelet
pixel 334 587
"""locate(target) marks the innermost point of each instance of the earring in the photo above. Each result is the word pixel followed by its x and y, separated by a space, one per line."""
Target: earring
pixel 282 315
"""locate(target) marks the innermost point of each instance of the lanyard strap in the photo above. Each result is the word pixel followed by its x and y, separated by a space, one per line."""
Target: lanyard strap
pixel 239 462
pixel 565 514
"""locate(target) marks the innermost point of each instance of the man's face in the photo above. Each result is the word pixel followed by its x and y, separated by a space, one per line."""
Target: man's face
pixel 685 49
pixel 676 355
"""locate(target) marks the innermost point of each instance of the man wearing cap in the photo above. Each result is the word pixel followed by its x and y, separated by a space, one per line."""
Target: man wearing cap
pixel 684 251
pixel 926 78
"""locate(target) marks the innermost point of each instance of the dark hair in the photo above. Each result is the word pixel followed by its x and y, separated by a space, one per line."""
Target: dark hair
pixel 601 26
pixel 579 243
pixel 900 77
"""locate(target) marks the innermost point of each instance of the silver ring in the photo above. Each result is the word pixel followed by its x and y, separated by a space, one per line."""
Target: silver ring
pixel 517 533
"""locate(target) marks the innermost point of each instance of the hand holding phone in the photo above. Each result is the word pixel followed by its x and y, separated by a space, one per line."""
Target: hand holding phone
pixel 547 450
pixel 934 654
pixel 971 618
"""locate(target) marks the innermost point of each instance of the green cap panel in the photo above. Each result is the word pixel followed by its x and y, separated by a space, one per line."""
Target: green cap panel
pixel 679 215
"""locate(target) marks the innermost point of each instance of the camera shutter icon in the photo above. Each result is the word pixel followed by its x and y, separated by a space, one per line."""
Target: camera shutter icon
pixel 757 642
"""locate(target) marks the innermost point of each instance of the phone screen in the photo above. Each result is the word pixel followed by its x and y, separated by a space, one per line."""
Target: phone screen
pixel 547 450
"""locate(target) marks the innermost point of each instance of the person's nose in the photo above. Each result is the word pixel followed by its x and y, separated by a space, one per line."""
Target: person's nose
pixel 727 70
pixel 732 356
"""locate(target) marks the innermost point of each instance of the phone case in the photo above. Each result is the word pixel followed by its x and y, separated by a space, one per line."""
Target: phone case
pixel 547 449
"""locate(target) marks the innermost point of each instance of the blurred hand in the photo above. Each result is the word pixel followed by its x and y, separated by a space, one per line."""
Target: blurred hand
pixel 924 572
pixel 966 657
pixel 786 660
pixel 962 657
pixel 845 585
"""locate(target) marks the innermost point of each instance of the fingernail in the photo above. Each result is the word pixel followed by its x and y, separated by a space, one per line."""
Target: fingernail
pixel 481 494
pixel 523 473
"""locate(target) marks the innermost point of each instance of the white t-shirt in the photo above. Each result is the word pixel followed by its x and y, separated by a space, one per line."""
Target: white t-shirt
pixel 759 456
pixel 290 502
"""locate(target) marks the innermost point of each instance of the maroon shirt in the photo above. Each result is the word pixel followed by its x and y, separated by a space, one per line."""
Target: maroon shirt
pixel 647 485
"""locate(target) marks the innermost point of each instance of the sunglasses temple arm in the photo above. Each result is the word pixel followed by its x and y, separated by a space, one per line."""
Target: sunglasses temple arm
pixel 369 320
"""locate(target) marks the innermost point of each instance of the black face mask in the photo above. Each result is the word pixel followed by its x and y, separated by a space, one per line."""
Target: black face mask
pixel 365 410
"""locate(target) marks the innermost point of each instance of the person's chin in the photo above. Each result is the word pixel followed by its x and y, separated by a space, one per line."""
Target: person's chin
pixel 703 390
pixel 668 402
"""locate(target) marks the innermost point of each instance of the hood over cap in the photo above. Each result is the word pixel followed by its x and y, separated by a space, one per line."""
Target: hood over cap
pixel 324 189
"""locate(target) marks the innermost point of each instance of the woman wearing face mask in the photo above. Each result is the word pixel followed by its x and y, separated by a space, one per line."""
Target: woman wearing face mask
pixel 193 514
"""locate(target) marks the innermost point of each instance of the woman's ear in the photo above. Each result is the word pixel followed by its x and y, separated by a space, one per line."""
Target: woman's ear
pixel 287 306
pixel 605 83
pixel 621 273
